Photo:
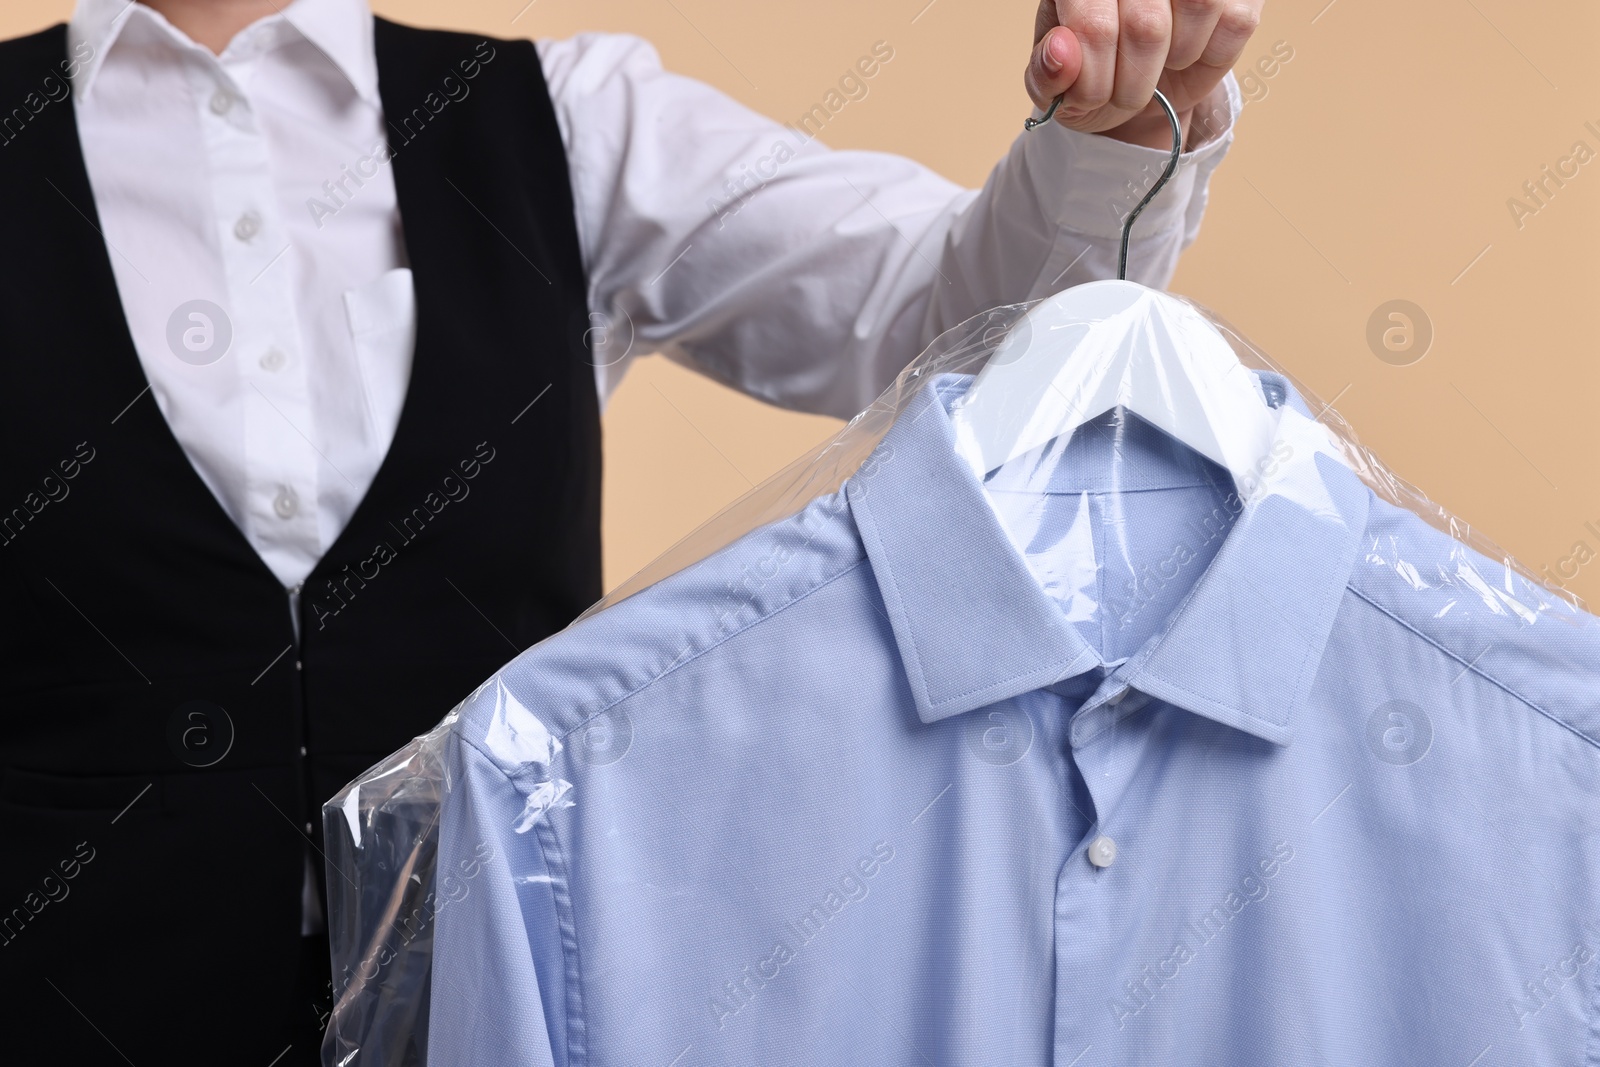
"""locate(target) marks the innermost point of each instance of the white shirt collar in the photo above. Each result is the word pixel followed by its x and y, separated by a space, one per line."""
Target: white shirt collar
pixel 340 29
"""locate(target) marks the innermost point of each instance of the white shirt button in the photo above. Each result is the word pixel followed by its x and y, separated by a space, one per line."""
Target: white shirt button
pixel 1102 851
pixel 248 226
pixel 285 503
pixel 273 360
pixel 221 102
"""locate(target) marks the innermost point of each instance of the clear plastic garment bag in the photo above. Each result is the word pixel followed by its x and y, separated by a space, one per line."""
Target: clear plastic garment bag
pixel 1094 697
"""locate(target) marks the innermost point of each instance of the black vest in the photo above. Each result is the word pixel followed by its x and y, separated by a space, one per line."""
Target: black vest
pixel 167 741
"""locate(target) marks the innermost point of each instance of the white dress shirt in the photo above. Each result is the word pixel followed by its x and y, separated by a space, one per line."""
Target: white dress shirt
pixel 227 180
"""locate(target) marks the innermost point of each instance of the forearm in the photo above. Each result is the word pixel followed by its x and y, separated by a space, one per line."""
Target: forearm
pixel 807 277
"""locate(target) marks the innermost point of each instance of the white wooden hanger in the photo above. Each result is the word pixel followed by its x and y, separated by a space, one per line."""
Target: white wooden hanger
pixel 1111 344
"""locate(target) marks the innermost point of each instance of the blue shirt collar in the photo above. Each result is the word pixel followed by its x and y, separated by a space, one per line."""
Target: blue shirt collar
pixel 974 627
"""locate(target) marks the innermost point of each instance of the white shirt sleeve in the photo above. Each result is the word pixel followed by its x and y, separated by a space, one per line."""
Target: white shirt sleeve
pixel 745 249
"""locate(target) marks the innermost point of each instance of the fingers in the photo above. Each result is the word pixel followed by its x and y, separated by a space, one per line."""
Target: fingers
pixel 1142 42
pixel 1238 20
pixel 1095 25
pixel 1104 58
pixel 1193 23
pixel 1054 66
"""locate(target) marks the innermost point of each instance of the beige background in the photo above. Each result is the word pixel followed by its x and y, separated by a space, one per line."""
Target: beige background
pixel 1377 164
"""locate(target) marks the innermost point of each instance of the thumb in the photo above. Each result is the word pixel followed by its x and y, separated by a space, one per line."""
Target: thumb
pixel 1057 60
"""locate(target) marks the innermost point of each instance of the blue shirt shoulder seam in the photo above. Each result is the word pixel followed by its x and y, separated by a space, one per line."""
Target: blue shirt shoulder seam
pixel 1473 667
pixel 681 663
pixel 678 664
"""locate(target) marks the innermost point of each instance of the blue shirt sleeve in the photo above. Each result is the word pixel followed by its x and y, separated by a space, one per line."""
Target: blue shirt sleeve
pixel 490 886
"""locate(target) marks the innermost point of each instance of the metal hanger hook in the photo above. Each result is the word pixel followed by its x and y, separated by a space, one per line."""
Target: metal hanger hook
pixel 1166 175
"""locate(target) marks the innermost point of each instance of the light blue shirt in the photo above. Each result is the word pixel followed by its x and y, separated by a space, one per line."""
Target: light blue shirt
pixel 1151 779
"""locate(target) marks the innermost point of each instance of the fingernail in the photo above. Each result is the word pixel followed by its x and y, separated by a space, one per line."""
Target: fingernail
pixel 1055 52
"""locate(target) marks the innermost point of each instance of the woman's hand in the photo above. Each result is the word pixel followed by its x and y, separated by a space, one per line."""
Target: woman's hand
pixel 1107 57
